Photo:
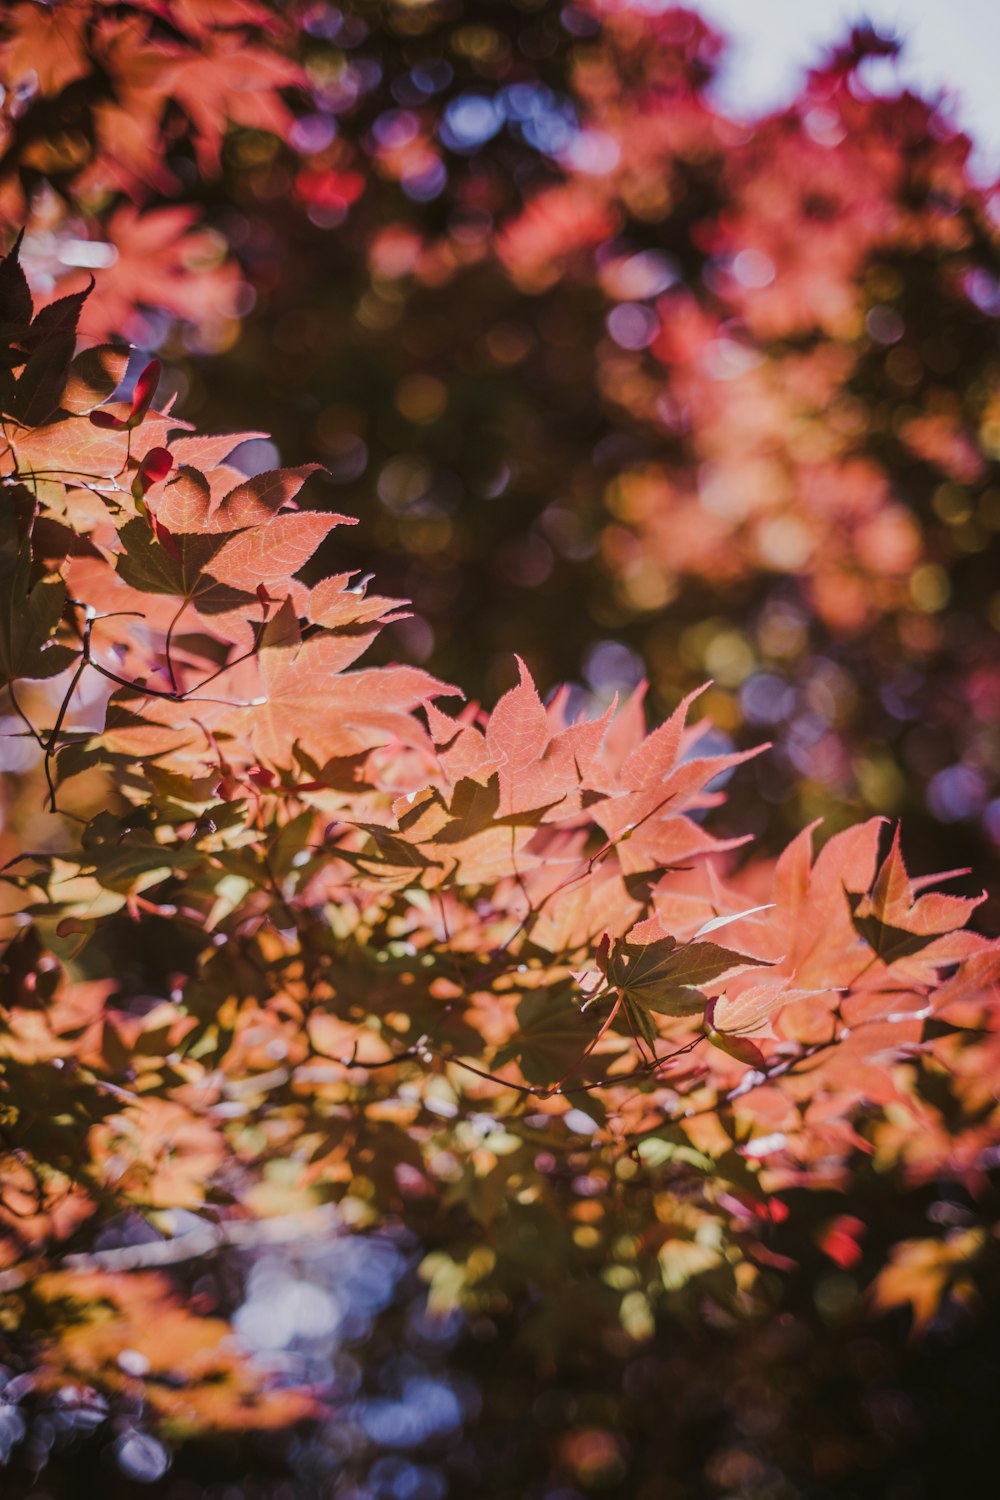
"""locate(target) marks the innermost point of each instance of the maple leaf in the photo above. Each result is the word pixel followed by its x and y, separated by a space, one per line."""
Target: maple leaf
pixel 94 376
pixel 258 500
pixel 473 809
pixel 273 552
pixel 167 1154
pixel 921 1271
pixel 307 697
pixel 41 344
pixel 16 306
pixel 242 538
pixel 51 339
pixel 748 1009
pixel 295 859
pixel 516 736
pixel 29 615
pixel 177 563
pixel 163 260
pixel 664 975
pixel 655 757
pixel 71 448
pixel 46 44
pixel 230 80
pixel 552 1035
pixel 894 921
pixel 887 942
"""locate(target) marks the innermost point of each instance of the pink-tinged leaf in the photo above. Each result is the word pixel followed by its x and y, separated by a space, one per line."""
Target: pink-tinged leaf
pixel 892 884
pixel 646 812
pixel 518 729
pixel 186 501
pixel 333 603
pixel 628 729
pixel 894 899
pixel 518 733
pixel 273 552
pixel 849 859
pixel 921 882
pixel 260 498
pixel 574 749
pixel 887 941
pixel 898 925
pixel 460 745
pixel 309 698
pixel 656 756
pixel 938 912
pixel 443 728
pixel 750 1009
pixel 209 452
pixel 792 872
pixel 76 447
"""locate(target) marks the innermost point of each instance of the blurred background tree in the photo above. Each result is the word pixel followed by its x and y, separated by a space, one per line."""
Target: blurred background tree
pixel 637 389
pixel 608 376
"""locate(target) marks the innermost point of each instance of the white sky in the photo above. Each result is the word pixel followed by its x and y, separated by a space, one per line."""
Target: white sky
pixel 952 45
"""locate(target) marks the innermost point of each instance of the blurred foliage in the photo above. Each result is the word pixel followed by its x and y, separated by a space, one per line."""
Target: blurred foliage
pixel 565 334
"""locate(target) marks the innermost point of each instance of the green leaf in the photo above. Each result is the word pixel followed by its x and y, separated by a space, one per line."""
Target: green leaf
pixel 552 1035
pixel 664 975
pixel 669 1143
pixel 128 868
pixel 641 1023
pixel 291 841
pixel 28 616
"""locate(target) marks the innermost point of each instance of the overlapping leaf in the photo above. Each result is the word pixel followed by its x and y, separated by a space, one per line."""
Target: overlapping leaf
pixel 665 975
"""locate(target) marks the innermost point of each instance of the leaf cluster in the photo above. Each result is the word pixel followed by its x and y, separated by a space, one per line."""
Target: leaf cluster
pixel 304 937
